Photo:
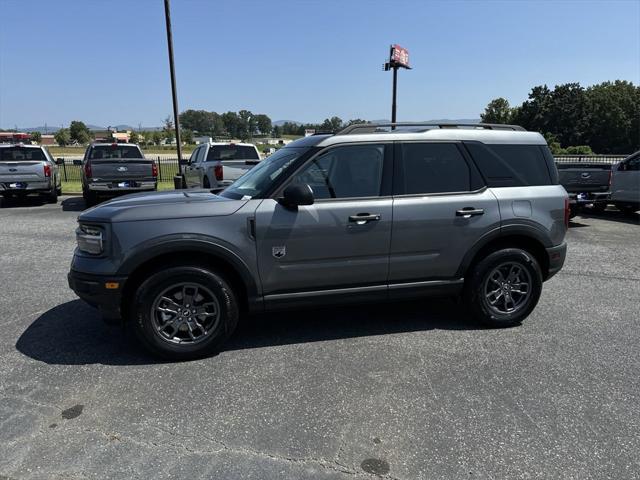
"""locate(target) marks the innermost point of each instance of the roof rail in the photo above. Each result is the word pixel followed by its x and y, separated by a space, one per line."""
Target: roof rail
pixel 373 127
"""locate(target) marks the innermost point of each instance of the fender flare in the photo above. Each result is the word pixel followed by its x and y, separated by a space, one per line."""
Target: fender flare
pixel 519 229
pixel 189 242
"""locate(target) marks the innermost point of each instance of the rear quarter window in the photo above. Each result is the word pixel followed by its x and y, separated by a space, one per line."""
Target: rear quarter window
pixel 512 165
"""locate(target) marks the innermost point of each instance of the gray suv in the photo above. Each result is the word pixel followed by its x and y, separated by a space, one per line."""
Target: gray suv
pixel 370 213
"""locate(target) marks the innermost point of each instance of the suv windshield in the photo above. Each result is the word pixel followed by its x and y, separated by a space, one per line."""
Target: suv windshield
pixel 232 152
pixel 20 153
pixel 257 180
pixel 106 152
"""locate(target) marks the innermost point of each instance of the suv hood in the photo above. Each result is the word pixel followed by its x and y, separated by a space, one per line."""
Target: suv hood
pixel 162 206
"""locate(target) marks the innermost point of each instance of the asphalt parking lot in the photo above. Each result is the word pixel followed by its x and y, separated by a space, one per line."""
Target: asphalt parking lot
pixel 403 391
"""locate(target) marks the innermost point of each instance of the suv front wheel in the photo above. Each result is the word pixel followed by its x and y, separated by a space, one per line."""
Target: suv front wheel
pixel 504 287
pixel 184 312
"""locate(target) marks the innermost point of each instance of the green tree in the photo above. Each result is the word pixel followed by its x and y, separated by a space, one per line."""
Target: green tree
pixel 332 124
pixel 614 117
pixel 200 121
pixel 79 132
pixel 263 124
pixel 497 111
pixel 62 137
pixel 276 131
pixel 355 121
pixel 135 137
pixel 186 135
pixel 36 137
pixel 231 122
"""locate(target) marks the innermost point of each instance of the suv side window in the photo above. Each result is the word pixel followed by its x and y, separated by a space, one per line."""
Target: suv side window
pixel 424 168
pixel 632 165
pixel 345 172
pixel 511 165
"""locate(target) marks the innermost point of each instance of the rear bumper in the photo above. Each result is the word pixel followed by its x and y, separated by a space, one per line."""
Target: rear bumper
pixel 588 197
pixel 93 290
pixel 112 186
pixel 557 256
pixel 30 187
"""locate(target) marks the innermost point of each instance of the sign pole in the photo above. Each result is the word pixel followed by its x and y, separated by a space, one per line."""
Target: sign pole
pixel 395 92
pixel 176 120
pixel 398 58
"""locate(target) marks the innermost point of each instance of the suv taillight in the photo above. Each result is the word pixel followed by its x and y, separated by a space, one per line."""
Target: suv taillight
pixel 154 169
pixel 567 212
pixel 87 170
pixel 218 171
pixel 47 170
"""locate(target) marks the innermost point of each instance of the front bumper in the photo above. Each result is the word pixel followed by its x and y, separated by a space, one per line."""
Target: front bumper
pixel 557 256
pixel 94 290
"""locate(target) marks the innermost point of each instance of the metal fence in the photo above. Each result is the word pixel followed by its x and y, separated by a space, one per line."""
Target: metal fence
pixel 71 169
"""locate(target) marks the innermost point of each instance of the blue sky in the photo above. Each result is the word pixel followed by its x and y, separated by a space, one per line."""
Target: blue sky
pixel 105 62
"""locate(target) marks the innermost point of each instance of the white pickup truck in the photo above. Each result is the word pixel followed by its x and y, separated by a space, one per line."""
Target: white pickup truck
pixel 28 169
pixel 216 165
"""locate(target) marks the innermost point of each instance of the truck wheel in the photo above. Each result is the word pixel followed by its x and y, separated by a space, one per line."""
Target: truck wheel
pixel 185 312
pixel 627 209
pixel 503 288
pixel 90 198
pixel 599 207
pixel 205 183
pixel 52 196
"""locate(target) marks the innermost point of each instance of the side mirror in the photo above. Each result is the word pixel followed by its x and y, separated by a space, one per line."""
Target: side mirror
pixel 296 194
pixel 59 161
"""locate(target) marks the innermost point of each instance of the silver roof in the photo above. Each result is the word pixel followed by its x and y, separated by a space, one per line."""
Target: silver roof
pixel 442 134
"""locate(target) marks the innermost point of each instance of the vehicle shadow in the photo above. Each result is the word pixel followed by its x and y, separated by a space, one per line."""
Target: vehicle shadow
pixel 612 215
pixel 21 202
pixel 73 204
pixel 74 334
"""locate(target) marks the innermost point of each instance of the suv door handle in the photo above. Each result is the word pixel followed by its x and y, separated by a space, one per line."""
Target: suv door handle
pixel 363 218
pixel 468 212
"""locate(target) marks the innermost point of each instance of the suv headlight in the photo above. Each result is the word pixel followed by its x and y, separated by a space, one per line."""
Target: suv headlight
pixel 90 239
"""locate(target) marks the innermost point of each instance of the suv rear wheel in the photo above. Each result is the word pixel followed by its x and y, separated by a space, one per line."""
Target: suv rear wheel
pixel 503 288
pixel 184 312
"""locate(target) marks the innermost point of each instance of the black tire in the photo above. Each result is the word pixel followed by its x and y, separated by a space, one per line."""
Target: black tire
pixel 59 191
pixel 147 323
pixel 627 209
pixel 599 207
pixel 90 198
pixel 205 183
pixel 478 283
pixel 52 196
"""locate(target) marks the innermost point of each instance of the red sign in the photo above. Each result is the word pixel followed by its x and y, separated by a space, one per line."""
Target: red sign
pixel 399 56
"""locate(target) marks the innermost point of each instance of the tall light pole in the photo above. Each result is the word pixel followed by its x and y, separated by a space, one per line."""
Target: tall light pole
pixel 176 120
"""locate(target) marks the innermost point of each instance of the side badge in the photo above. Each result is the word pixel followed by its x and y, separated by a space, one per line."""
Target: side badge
pixel 278 252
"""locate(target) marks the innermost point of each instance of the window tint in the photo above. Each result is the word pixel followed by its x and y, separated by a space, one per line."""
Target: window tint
pixel 434 168
pixel 633 164
pixel 345 172
pixel 232 152
pixel 511 165
pixel 103 152
pixel 20 153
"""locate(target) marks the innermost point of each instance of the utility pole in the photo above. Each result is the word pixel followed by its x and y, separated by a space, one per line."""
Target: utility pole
pixel 398 58
pixel 176 120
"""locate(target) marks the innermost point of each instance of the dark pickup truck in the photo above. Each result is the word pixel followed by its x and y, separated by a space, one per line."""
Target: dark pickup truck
pixel 586 184
pixel 110 169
